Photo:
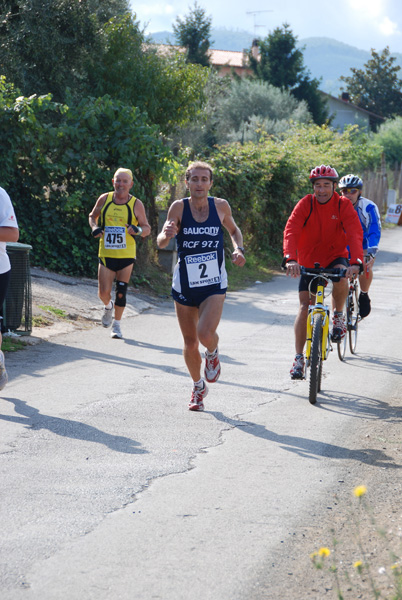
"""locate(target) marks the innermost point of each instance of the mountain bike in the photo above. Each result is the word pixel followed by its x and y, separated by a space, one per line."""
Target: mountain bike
pixel 318 339
pixel 352 319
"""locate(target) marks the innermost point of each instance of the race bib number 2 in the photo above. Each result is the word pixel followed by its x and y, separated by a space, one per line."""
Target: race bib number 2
pixel 203 269
pixel 115 238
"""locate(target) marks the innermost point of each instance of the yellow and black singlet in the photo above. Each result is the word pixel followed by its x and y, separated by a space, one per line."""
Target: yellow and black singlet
pixel 116 242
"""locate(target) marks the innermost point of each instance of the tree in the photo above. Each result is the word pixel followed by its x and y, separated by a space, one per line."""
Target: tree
pixel 75 49
pixel 255 106
pixel 281 64
pixel 46 44
pixel 193 32
pixel 163 85
pixel 389 136
pixel 376 87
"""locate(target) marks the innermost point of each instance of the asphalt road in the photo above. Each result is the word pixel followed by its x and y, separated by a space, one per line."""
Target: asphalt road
pixel 112 489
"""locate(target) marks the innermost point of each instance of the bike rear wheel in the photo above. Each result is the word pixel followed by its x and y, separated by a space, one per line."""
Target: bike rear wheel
pixel 316 359
pixel 353 319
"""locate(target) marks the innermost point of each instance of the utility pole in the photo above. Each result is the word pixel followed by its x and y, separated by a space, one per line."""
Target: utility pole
pixel 254 13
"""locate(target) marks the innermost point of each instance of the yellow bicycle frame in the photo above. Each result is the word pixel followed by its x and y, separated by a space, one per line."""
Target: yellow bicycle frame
pixel 318 307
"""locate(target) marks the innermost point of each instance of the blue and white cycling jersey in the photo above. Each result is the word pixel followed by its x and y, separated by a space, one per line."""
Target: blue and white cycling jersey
pixel 370 219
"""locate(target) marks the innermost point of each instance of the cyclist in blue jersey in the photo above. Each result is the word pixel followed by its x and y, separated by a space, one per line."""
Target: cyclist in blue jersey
pixel 369 215
pixel 199 279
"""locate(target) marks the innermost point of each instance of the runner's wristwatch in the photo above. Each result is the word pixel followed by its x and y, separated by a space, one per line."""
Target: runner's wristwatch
pixel 240 248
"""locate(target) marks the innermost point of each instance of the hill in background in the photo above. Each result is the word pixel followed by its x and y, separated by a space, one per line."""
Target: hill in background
pixel 325 58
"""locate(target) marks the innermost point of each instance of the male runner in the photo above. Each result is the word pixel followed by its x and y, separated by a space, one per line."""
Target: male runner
pixel 200 279
pixel 116 217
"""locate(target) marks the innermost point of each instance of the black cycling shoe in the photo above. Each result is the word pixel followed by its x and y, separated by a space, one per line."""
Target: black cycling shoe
pixel 364 305
pixel 297 374
pixel 336 335
pixel 297 371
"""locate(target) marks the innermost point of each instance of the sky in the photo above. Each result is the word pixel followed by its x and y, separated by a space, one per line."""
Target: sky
pixel 364 24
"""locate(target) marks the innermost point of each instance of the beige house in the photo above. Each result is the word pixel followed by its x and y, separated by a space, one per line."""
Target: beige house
pixel 227 62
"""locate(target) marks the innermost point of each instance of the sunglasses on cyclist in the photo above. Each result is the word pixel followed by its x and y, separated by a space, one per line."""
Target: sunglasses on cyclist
pixel 349 190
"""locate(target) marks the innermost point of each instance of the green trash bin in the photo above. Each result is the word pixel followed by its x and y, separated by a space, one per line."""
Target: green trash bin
pixel 17 307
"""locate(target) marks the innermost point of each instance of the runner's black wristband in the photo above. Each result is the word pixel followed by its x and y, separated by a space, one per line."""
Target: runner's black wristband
pixel 97 231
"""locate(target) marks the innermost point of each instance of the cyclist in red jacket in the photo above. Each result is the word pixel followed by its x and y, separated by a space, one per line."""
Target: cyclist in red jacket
pixel 319 230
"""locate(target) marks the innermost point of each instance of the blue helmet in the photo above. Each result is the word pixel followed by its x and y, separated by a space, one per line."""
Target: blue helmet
pixel 351 181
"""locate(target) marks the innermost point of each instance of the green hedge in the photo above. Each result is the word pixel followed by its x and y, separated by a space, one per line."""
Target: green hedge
pixel 58 159
pixel 264 181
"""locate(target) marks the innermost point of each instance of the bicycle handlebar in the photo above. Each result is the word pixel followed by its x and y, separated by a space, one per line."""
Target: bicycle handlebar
pixel 324 272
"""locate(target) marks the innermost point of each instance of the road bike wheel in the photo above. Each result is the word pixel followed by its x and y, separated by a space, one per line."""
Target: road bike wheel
pixel 342 346
pixel 315 359
pixel 353 320
pixel 319 378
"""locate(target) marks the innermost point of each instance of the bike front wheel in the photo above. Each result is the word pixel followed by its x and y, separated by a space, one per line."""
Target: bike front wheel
pixel 353 320
pixel 342 348
pixel 316 359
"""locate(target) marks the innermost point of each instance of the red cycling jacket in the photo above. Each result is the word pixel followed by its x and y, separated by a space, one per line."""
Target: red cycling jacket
pixel 321 232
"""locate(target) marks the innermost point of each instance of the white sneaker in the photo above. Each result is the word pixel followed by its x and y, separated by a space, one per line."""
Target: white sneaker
pixel 212 369
pixel 3 372
pixel 197 397
pixel 116 331
pixel 107 316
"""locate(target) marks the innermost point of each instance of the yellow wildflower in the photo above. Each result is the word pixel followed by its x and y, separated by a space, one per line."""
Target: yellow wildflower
pixel 358 566
pixel 324 552
pixel 359 491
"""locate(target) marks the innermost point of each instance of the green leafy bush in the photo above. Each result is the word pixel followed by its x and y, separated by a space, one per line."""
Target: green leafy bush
pixel 60 158
pixel 263 181
pixel 389 136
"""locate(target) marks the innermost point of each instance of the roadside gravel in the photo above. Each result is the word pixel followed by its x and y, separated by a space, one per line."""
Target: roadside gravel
pixel 78 299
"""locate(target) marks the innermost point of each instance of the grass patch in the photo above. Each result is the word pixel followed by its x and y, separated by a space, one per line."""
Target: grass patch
pixel 58 312
pixel 39 321
pixel 254 270
pixel 12 344
pixel 153 281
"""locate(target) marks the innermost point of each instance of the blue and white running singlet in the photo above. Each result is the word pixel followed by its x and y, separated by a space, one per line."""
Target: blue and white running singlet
pixel 200 271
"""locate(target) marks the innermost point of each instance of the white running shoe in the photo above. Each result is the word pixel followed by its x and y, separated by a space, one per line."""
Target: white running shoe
pixel 116 331
pixel 212 369
pixel 3 372
pixel 107 316
pixel 197 397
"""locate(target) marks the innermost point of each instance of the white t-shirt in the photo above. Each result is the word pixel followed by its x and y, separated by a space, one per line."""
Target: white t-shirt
pixel 7 219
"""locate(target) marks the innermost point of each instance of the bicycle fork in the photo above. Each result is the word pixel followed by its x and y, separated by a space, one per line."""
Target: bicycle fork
pixel 318 308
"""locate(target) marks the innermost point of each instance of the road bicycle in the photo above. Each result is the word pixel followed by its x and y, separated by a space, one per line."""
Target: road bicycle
pixel 352 319
pixel 318 338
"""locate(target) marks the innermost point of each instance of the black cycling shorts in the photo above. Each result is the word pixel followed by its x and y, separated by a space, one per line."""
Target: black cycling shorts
pixel 305 279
